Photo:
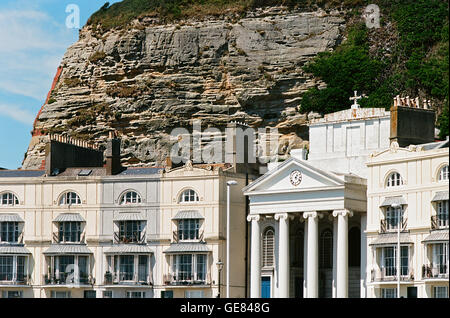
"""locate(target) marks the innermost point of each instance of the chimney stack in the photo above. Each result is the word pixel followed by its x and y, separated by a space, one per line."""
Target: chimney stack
pixel 113 165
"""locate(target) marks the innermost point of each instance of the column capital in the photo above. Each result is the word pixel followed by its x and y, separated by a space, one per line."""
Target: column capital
pixel 343 212
pixel 284 215
pixel 253 217
pixel 312 214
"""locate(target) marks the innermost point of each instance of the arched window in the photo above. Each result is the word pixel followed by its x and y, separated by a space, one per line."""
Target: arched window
pixel 326 249
pixel 268 247
pixel 394 180
pixel 443 173
pixel 8 198
pixel 70 198
pixel 130 197
pixel 188 196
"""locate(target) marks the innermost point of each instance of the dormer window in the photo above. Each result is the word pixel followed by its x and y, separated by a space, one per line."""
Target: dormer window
pixel 130 197
pixel 394 180
pixel 188 196
pixel 70 198
pixel 443 173
pixel 9 199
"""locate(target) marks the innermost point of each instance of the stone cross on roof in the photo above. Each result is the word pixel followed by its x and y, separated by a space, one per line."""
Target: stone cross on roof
pixel 355 100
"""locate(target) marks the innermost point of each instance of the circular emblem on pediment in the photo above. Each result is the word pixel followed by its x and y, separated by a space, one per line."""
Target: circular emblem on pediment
pixel 295 177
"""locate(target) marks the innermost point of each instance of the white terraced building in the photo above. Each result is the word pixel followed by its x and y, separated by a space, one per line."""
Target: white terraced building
pixel 407 192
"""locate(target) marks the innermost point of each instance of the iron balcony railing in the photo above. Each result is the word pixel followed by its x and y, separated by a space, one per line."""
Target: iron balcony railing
pixel 68 279
pixel 59 237
pixel 135 237
pixel 176 237
pixel 389 274
pixel 385 228
pixel 187 279
pixel 127 278
pixel 438 223
pixel 430 271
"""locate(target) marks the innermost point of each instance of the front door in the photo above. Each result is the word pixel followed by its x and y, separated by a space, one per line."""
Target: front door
pixel 265 287
pixel 412 292
pixel 298 287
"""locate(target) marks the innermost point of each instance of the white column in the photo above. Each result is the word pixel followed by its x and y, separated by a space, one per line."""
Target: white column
pixel 283 255
pixel 305 263
pixel 335 227
pixel 342 253
pixel 255 257
pixel 364 248
pixel 312 271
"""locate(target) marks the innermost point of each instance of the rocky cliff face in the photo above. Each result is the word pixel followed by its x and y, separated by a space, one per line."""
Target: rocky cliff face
pixel 145 80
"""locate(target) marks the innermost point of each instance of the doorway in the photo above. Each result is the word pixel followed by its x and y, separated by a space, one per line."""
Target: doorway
pixel 265 287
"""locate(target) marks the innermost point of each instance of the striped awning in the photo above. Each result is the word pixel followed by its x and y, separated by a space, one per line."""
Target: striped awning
pixel 12 249
pixel 440 196
pixel 188 215
pixel 187 248
pixel 437 236
pixel 129 216
pixel 59 249
pixel 130 249
pixel 388 201
pixel 10 217
pixel 69 217
pixel 391 238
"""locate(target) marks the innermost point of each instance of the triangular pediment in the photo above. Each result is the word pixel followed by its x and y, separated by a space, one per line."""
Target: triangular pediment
pixel 286 178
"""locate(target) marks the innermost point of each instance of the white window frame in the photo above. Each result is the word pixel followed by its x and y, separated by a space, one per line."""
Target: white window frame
pixel 193 264
pixel 268 252
pixel 130 197
pixel 388 292
pixel 15 264
pixel 133 294
pixel 188 196
pixel 442 210
pixel 69 198
pixel 8 199
pixel 443 173
pixel 394 179
pixel 392 214
pixel 440 291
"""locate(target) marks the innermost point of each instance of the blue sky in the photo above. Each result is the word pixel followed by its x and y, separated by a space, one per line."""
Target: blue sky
pixel 33 40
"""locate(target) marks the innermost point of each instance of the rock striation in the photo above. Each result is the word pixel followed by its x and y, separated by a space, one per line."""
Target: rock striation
pixel 147 79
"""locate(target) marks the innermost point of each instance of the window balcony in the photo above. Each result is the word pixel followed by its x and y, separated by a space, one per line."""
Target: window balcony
pixel 61 238
pixel 438 223
pixel 186 279
pixel 128 278
pixel 197 238
pixel 389 274
pixel 385 227
pixel 438 271
pixel 68 279
pixel 129 238
pixel 8 280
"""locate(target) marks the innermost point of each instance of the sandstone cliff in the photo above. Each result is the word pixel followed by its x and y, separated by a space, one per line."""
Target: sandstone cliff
pixel 147 79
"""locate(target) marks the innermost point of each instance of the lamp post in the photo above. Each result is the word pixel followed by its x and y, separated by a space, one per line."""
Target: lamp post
pixel 219 265
pixel 229 184
pixel 398 209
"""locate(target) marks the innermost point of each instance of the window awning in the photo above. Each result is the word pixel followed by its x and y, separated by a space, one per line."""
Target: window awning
pixel 59 249
pixel 388 201
pixel 179 248
pixel 69 217
pixel 11 249
pixel 129 216
pixel 10 217
pixel 188 215
pixel 130 249
pixel 391 238
pixel 440 196
pixel 437 236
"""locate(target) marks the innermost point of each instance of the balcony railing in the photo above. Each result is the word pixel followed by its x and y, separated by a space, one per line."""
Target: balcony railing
pixel 389 274
pixel 18 281
pixel 58 237
pixel 438 223
pixel 68 279
pixel 384 227
pixel 136 237
pixel 127 279
pixel 186 280
pixel 430 271
pixel 176 238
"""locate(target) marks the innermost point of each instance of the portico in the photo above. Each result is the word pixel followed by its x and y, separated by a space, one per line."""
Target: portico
pixel 310 212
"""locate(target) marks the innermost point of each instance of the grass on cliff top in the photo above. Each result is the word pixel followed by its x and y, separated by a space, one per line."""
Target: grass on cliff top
pixel 121 13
